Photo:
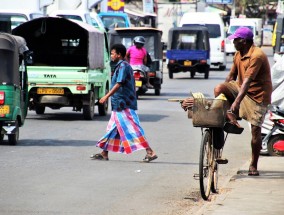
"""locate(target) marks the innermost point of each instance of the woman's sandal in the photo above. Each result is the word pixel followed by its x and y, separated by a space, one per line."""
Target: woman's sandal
pixel 149 158
pixel 98 157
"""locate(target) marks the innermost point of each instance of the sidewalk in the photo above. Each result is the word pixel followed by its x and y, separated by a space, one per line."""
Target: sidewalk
pixel 247 195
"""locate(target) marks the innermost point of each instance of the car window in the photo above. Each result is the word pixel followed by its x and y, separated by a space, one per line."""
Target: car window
pixel 36 15
pixel 113 21
pixel 233 28
pixel 213 29
pixel 74 17
pixel 9 21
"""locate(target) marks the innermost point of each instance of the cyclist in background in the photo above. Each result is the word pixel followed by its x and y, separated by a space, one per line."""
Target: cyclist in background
pixel 137 55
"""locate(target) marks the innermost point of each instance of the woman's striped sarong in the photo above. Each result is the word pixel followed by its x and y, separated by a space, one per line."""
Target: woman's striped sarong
pixel 124 133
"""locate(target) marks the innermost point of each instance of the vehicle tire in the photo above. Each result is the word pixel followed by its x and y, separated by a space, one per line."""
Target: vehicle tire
pixel 171 74
pixel 222 67
pixel 206 167
pixel 89 109
pixel 271 143
pixel 1 135
pixel 206 74
pixel 14 138
pixel 157 92
pixel 39 109
pixel 103 108
pixel 192 74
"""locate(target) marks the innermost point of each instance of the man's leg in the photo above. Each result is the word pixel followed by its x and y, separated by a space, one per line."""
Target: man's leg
pixel 221 88
pixel 255 148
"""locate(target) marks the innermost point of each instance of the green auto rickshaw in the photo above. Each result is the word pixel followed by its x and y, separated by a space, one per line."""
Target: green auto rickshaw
pixel 14 56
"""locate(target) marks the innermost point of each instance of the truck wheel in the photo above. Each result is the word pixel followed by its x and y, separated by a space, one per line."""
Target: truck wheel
pixel 103 108
pixel 39 109
pixel 222 67
pixel 157 92
pixel 206 74
pixel 171 74
pixel 1 135
pixel 89 109
pixel 14 138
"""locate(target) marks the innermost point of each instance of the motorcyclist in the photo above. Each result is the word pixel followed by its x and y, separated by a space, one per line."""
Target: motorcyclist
pixel 137 55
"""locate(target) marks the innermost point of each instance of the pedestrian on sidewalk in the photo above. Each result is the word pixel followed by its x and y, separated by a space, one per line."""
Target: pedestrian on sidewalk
pixel 248 89
pixel 124 132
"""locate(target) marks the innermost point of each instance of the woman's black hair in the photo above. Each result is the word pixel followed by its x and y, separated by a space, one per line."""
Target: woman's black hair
pixel 119 49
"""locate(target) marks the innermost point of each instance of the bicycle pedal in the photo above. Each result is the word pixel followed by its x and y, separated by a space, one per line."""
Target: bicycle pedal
pixel 222 160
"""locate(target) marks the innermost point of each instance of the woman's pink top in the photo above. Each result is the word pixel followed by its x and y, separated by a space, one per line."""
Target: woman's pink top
pixel 136 55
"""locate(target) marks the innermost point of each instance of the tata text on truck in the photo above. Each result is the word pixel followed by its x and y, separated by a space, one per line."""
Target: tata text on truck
pixel 71 65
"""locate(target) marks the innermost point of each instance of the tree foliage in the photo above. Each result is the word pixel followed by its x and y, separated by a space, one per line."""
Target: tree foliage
pixel 254 8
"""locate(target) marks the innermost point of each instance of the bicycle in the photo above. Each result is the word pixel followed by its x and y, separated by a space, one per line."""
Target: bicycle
pixel 210 114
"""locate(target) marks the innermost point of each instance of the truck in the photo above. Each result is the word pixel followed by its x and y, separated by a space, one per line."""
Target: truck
pixel 71 65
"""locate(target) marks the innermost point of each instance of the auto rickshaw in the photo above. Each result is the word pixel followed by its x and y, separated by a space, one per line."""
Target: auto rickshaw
pixel 188 50
pixel 14 56
pixel 153 45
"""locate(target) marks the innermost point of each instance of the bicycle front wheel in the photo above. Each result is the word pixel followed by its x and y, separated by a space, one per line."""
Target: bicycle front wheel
pixel 206 164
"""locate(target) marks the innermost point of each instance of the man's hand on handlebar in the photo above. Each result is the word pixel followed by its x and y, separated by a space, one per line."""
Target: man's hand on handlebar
pixel 187 103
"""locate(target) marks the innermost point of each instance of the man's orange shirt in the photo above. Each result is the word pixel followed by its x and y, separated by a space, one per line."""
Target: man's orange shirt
pixel 254 65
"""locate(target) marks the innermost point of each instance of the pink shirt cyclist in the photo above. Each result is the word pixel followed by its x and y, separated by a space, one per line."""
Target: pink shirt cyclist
pixel 137 55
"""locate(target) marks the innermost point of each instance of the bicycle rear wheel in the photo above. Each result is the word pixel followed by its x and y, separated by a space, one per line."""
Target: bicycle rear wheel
pixel 206 164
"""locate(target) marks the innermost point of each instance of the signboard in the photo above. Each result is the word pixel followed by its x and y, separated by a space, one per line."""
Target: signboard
pixel 115 5
pixel 148 6
pixel 219 1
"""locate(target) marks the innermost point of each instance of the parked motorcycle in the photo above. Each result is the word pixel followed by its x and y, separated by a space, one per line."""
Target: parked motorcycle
pixel 273 140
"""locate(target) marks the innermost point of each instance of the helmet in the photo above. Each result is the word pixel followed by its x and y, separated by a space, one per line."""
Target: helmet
pixel 139 39
pixel 282 37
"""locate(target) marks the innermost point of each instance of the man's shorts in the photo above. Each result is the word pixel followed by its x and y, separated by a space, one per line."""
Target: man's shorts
pixel 250 110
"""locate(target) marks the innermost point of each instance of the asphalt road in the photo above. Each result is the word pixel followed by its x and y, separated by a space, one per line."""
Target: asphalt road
pixel 49 171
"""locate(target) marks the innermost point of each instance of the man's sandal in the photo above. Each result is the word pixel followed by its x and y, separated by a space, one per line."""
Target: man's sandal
pixel 149 158
pixel 253 172
pixel 98 157
pixel 232 126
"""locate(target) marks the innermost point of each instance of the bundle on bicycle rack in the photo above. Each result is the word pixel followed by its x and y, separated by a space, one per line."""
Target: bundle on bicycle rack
pixel 209 112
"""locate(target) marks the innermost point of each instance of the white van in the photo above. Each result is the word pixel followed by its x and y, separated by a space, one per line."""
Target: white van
pixel 215 25
pixel 9 19
pixel 91 18
pixel 252 23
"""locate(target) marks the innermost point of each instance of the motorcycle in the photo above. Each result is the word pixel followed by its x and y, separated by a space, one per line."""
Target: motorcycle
pixel 140 75
pixel 154 47
pixel 273 140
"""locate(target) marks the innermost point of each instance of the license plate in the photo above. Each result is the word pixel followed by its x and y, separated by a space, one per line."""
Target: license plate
pixel 4 109
pixel 187 63
pixel 50 91
pixel 138 83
